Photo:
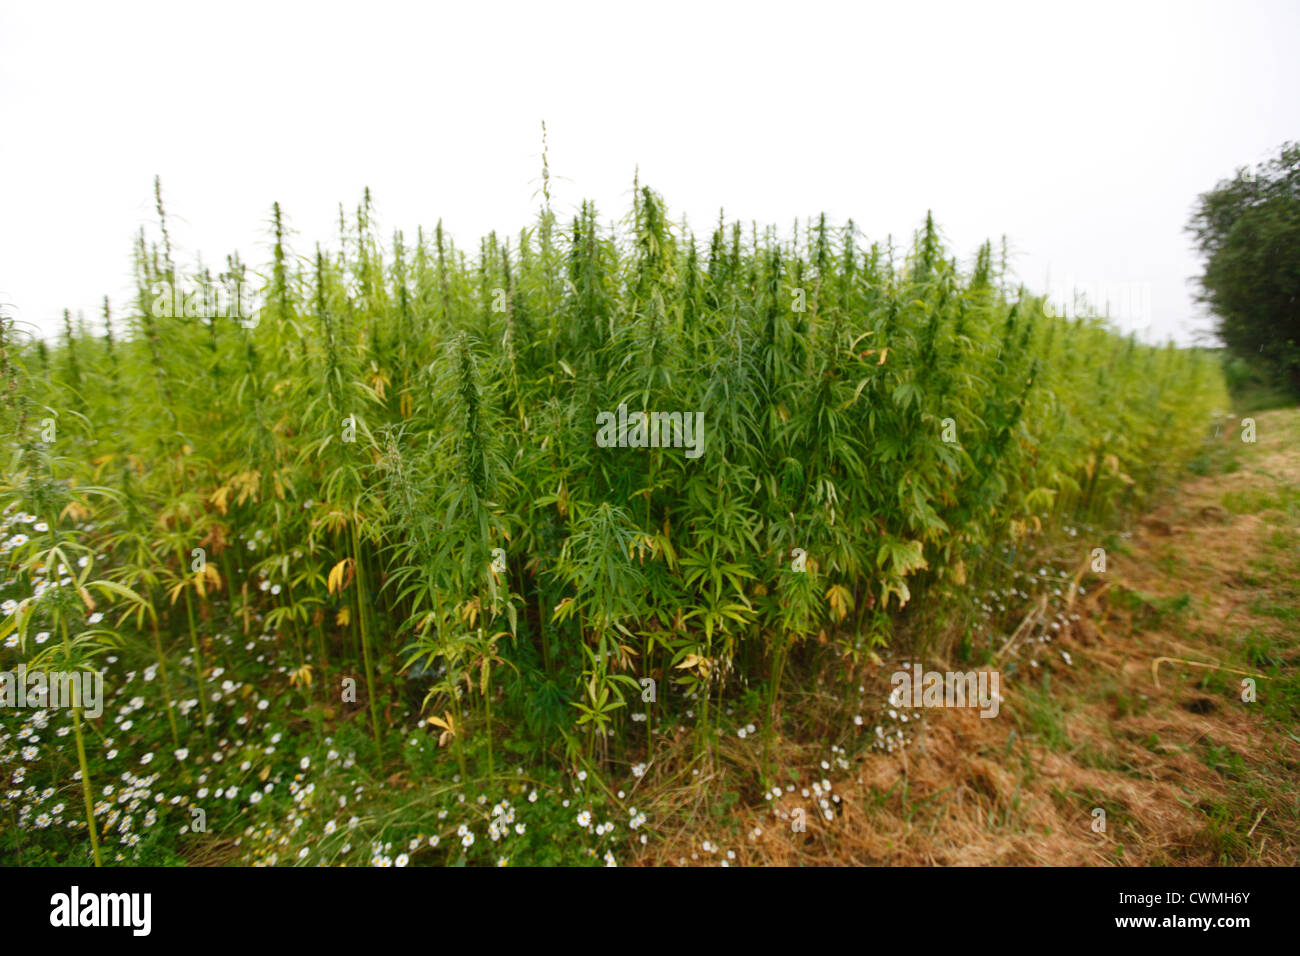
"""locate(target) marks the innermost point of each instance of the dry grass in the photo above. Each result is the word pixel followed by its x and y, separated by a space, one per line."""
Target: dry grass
pixel 1187 773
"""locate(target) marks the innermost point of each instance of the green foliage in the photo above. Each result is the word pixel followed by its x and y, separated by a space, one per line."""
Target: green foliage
pixel 392 477
pixel 1248 229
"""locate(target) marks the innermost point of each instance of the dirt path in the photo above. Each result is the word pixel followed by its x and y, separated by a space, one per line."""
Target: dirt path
pixel 1184 769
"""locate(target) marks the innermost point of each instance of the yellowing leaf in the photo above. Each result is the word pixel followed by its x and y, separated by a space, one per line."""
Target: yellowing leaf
pixel 76 511
pixel 336 577
pixel 841 601
pixel 448 725
pixel 702 664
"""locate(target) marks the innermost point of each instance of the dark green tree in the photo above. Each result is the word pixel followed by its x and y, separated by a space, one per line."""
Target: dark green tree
pixel 1248 229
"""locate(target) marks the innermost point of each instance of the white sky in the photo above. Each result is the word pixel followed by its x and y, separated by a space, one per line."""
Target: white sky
pixel 1082 132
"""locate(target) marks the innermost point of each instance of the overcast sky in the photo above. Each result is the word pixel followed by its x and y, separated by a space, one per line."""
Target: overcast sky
pixel 1082 132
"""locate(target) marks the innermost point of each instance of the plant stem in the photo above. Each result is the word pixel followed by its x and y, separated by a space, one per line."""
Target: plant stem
pixel 81 759
pixel 167 687
pixel 365 641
